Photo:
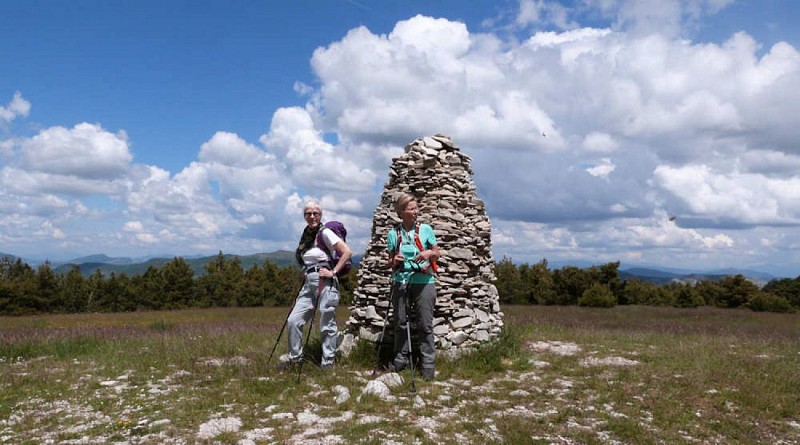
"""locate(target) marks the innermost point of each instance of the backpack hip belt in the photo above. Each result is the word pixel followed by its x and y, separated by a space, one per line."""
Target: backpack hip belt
pixel 316 267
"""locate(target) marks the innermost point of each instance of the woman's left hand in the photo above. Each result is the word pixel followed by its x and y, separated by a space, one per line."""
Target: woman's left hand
pixel 425 255
pixel 326 273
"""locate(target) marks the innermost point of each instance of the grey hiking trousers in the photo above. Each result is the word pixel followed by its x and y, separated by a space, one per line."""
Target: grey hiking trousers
pixel 304 309
pixel 423 298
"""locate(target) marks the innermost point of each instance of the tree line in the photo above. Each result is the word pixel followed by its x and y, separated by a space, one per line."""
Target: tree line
pixel 600 286
pixel 225 283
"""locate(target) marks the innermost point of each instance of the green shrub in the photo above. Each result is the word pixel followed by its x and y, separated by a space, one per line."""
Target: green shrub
pixel 364 354
pixel 598 295
pixel 490 357
pixel 686 296
pixel 766 302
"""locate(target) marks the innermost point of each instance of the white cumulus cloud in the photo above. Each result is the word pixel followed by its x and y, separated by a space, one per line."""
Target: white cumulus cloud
pixel 585 141
pixel 16 108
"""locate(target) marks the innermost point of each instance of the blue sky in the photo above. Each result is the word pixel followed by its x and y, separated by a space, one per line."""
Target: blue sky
pixel 151 128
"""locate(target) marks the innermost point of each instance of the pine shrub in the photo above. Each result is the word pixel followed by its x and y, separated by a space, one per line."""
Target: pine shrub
pixel 766 302
pixel 598 295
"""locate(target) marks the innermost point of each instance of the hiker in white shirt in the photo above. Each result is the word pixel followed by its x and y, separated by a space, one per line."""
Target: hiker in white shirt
pixel 320 288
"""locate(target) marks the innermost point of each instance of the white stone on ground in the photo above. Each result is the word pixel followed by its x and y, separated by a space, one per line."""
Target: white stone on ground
pixel 215 427
pixel 608 361
pixel 378 389
pixel 342 394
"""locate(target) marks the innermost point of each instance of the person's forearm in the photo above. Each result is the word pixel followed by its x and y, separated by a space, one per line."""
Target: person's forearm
pixel 342 261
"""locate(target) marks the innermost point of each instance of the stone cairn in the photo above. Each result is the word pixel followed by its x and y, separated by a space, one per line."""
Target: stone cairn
pixel 467 310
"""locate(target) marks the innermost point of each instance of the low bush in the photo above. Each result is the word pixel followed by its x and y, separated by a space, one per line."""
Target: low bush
pixel 598 295
pixel 766 302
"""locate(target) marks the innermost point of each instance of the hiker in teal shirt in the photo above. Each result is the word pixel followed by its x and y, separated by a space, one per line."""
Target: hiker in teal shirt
pixel 413 253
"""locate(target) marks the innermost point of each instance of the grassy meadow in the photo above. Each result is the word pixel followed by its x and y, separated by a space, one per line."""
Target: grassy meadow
pixel 560 375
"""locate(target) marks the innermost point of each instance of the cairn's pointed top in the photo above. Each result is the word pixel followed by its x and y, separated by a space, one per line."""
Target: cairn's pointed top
pixel 435 142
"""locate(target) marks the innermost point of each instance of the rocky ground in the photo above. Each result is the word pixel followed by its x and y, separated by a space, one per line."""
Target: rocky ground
pixel 368 409
pixel 348 406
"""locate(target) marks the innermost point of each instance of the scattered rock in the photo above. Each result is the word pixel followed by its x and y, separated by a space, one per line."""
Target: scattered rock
pixel 215 427
pixel 378 389
pixel 556 347
pixel 391 379
pixel 342 394
pixel 608 361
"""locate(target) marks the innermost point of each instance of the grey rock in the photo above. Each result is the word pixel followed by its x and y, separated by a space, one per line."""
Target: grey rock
pixel 378 389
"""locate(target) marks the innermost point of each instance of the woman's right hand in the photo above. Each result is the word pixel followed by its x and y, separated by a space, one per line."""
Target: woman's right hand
pixel 398 260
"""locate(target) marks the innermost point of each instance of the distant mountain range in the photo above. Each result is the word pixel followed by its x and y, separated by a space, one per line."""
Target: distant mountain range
pixel 137 266
pixel 661 277
pixel 664 275
pixel 132 266
pixel 89 264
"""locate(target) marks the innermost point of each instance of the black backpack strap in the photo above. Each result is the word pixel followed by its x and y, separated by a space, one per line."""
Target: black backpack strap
pixel 397 238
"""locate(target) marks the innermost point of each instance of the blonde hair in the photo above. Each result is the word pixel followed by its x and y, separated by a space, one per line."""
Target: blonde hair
pixel 402 200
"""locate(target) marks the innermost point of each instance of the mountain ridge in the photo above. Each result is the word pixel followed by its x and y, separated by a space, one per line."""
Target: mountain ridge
pixel 281 258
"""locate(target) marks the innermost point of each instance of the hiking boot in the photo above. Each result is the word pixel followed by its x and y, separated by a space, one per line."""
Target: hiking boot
pixel 394 368
pixel 428 374
pixel 285 363
pixel 326 368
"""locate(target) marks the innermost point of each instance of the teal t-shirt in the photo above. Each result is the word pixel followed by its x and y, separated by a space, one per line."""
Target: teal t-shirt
pixel 408 248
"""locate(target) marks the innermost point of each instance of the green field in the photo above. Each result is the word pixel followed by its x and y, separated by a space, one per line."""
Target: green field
pixel 558 374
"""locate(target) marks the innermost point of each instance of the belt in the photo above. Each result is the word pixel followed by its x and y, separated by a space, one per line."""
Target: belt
pixel 315 268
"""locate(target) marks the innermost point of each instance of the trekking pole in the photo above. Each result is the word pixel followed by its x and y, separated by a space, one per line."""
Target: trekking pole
pixel 280 334
pixel 383 329
pixel 389 309
pixel 310 328
pixel 408 329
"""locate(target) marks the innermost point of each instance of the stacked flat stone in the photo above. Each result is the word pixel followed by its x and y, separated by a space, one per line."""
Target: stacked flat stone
pixel 467 310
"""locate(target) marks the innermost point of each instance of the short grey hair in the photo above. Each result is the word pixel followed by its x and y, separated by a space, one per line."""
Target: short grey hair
pixel 312 205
